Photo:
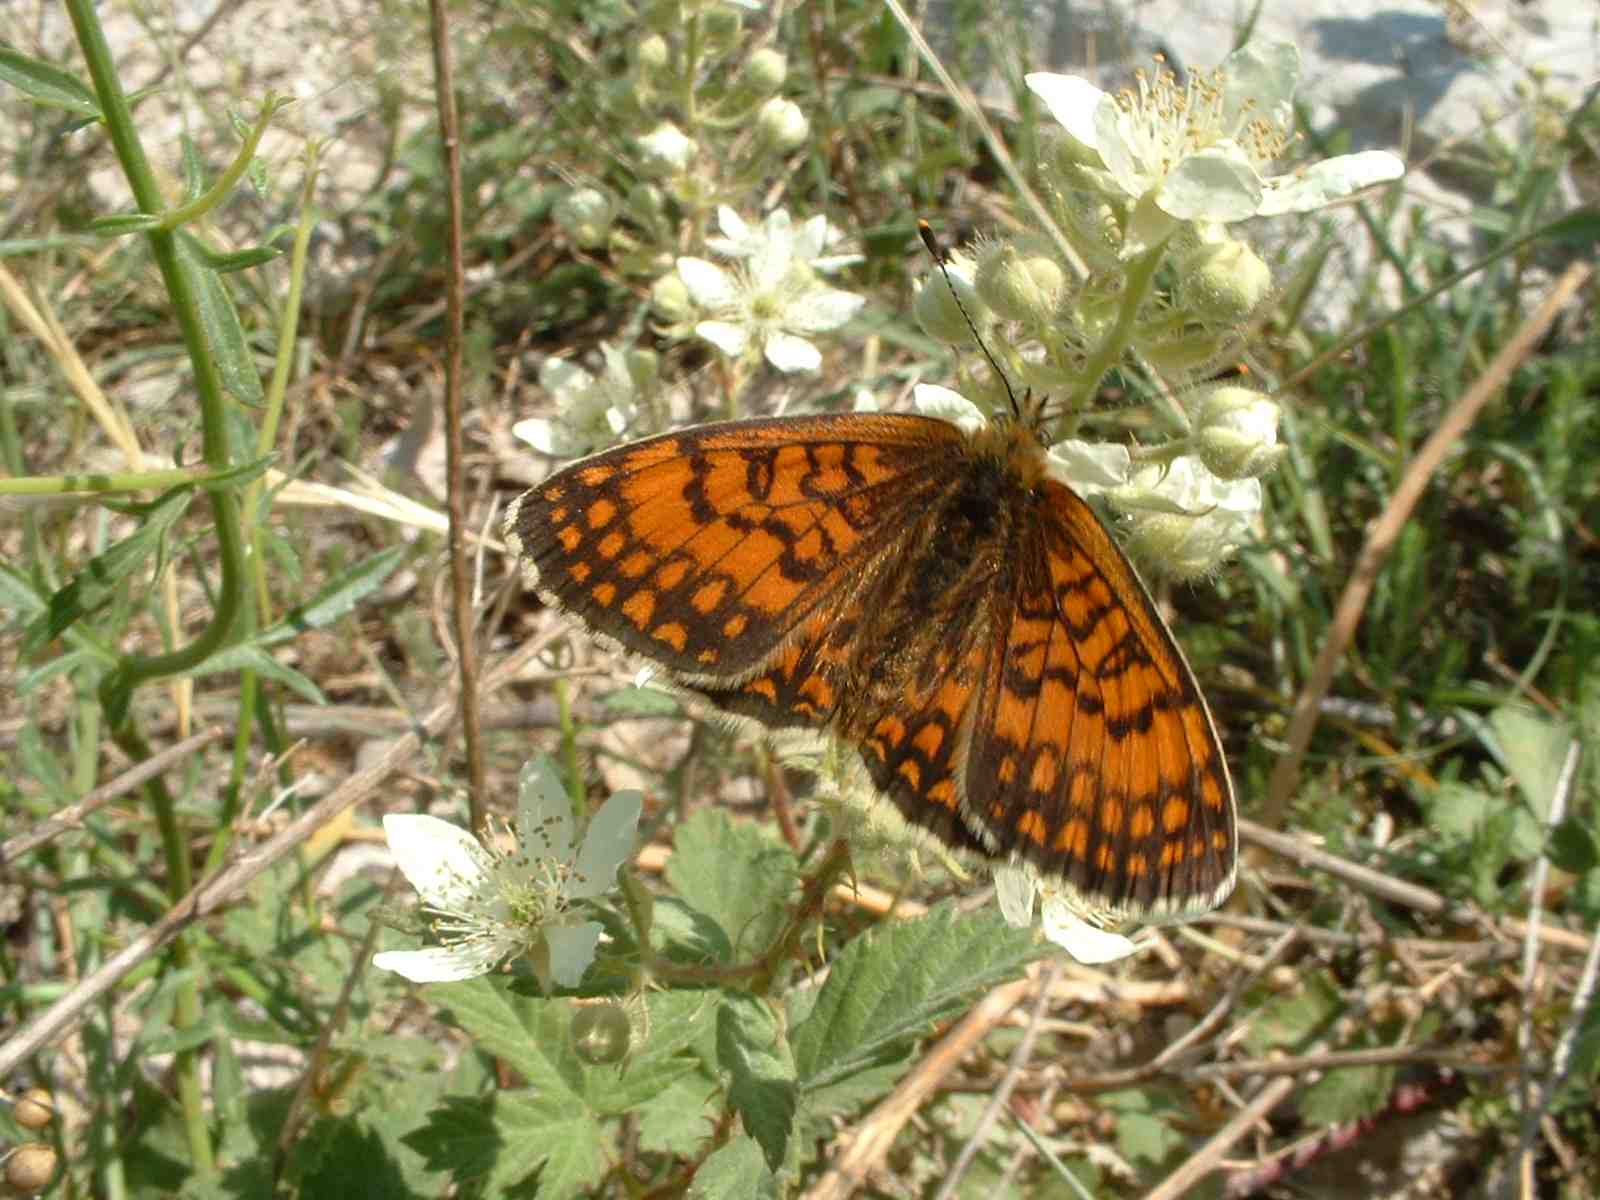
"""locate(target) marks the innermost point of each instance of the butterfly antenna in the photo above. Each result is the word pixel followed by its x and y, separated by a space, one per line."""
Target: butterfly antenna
pixel 925 232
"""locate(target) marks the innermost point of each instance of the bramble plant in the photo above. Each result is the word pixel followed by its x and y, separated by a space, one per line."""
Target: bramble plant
pixel 629 986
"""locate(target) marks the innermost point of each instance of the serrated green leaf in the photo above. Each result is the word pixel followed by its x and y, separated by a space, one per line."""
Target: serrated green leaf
pixel 531 1034
pixel 680 1118
pixel 1462 813
pixel 735 1172
pixel 1347 1094
pixel 1534 748
pixel 1292 1020
pixel 97 582
pixel 685 935
pixel 338 596
pixel 752 1048
pixel 224 333
pixel 46 84
pixel 889 987
pixel 735 872
pixel 252 658
pixel 538 1133
pixel 673 1021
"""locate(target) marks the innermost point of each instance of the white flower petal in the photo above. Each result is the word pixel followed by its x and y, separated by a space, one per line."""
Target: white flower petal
pixel 1080 939
pixel 442 861
pixel 1218 184
pixel 1322 183
pixel 1261 78
pixel 790 353
pixel 709 285
pixel 731 339
pixel 437 964
pixel 543 435
pixel 571 950
pixel 607 844
pixel 557 375
pixel 1013 891
pixel 545 825
pixel 1072 101
pixel 1090 467
pixel 823 309
pixel 932 400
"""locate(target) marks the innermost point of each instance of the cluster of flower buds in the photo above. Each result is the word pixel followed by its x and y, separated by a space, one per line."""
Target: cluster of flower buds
pixel 1143 185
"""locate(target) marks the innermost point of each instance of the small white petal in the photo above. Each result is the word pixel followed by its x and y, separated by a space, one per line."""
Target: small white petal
pixel 731 339
pixel 1324 182
pixel 709 285
pixel 571 950
pixel 1090 467
pixel 607 844
pixel 1261 78
pixel 1217 184
pixel 1013 891
pixel 823 309
pixel 1072 101
pixel 1080 939
pixel 932 400
pixel 558 375
pixel 437 964
pixel 442 861
pixel 541 434
pixel 733 226
pixel 545 825
pixel 789 353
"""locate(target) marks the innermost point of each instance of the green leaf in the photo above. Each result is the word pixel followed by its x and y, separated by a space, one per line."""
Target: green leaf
pixel 1346 1094
pixel 735 872
pixel 540 1133
pixel 751 1047
pixel 1534 749
pixel 1574 847
pixel 47 85
pixel 250 657
pixel 674 1020
pixel 685 935
pixel 642 702
pixel 224 334
pixel 1293 1020
pixel 530 1033
pixel 242 260
pixel 97 582
pixel 735 1172
pixel 18 593
pixel 338 596
pixel 1496 827
pixel 123 224
pixel 194 169
pixel 1144 1127
pixel 681 1117
pixel 889 987
pixel 44 766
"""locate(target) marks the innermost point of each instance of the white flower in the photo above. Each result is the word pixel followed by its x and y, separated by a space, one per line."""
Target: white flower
pixel 770 297
pixel 1065 919
pixel 590 412
pixel 804 245
pixel 489 904
pixel 1200 150
pixel 1184 519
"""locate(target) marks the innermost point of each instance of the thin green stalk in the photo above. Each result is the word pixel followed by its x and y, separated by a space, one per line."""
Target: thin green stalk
pixel 126 481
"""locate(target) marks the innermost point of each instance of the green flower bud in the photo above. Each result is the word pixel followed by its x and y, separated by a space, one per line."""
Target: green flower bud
pixel 766 71
pixel 670 298
pixel 1236 431
pixel 719 29
pixel 1021 285
pixel 646 202
pixel 781 125
pixel 1221 283
pixel 935 307
pixel 585 216
pixel 652 55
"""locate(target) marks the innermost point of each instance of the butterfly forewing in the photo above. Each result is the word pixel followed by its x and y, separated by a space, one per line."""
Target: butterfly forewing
pixel 704 549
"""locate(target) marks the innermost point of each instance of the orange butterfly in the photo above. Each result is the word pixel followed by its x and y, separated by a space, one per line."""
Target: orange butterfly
pixel 932 597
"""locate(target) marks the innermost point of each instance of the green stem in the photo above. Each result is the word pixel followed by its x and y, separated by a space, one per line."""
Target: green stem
pixel 1140 279
pixel 127 481
pixel 178 217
